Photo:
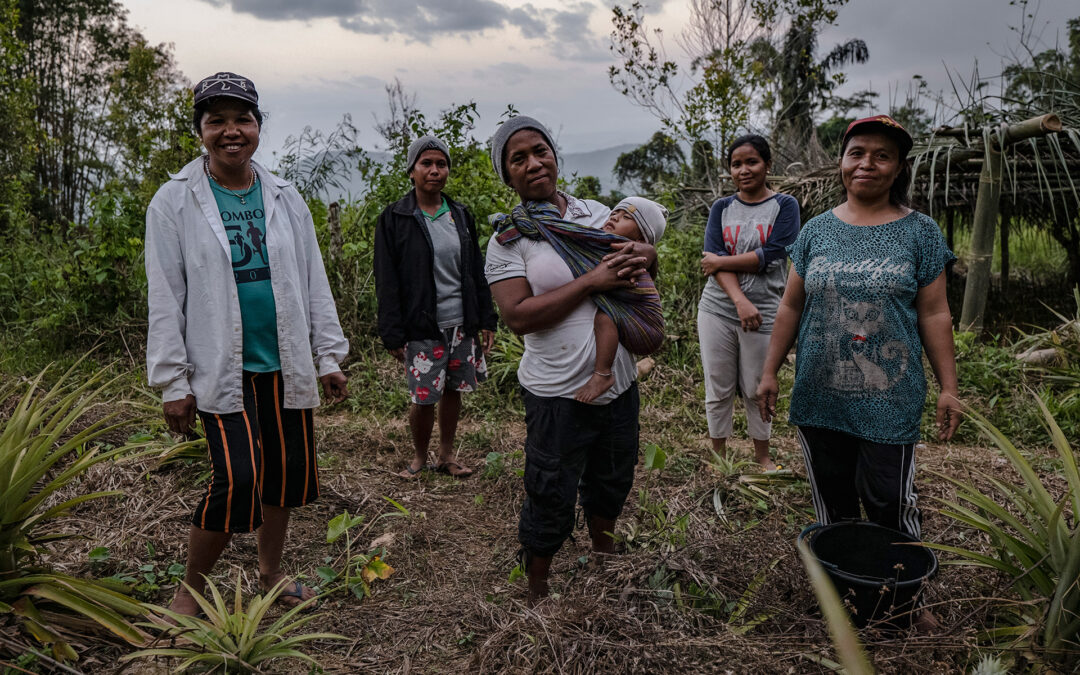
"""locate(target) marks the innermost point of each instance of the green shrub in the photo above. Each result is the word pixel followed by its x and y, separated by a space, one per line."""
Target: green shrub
pixel 1034 541
pixel 472 182
pixel 229 638
pixel 41 454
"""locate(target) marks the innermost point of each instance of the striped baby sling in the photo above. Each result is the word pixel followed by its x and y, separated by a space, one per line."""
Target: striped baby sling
pixel 636 311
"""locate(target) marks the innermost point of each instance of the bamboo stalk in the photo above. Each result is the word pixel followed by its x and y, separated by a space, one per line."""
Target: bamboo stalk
pixel 977 286
pixel 333 222
pixel 1006 221
pixel 950 239
pixel 1036 126
pixel 987 202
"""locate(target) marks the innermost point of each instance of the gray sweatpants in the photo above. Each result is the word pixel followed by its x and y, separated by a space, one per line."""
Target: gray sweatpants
pixel 731 356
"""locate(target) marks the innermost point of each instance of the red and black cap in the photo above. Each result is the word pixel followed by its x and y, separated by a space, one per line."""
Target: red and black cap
pixel 226 84
pixel 882 124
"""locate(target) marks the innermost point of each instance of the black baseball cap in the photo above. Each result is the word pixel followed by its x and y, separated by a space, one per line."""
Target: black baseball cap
pixel 226 84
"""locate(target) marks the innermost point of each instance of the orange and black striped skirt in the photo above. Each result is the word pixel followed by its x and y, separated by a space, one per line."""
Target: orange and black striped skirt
pixel 264 454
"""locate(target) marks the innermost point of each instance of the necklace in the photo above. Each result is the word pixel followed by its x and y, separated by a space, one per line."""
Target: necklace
pixel 241 194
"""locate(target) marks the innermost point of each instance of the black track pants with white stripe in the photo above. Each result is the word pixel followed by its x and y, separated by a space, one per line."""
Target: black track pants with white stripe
pixel 845 470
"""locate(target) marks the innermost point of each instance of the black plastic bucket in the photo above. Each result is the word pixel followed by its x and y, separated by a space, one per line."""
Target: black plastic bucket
pixel 876 570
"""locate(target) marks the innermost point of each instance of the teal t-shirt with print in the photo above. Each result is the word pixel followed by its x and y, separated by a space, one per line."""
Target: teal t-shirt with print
pixel 245 226
pixel 859 364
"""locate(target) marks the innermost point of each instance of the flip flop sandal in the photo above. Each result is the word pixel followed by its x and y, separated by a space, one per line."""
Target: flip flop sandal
pixel 413 473
pixel 462 472
pixel 296 590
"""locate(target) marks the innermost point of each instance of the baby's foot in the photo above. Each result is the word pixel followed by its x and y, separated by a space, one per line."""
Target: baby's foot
pixel 596 385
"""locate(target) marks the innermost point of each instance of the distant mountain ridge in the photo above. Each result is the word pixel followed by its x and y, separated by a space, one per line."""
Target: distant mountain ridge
pixel 599 163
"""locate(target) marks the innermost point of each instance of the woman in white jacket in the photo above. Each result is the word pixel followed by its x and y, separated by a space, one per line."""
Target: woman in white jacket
pixel 239 304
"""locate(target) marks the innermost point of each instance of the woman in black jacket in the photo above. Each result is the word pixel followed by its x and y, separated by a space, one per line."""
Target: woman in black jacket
pixel 435 310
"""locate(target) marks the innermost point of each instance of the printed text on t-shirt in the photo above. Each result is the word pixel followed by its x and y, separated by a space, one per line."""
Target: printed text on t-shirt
pixel 731 235
pixel 876 266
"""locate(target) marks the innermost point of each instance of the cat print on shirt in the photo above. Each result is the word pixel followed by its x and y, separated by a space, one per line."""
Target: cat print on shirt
pixel 862 361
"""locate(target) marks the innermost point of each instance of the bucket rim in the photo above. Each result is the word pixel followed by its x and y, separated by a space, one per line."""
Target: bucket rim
pixel 813 530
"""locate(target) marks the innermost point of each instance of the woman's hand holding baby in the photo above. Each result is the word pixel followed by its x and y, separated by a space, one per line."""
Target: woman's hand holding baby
pixel 631 259
pixel 619 272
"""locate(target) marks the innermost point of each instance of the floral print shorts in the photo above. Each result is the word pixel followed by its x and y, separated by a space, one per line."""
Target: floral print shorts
pixel 455 362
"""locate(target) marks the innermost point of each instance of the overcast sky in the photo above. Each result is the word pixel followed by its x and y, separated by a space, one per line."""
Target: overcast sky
pixel 314 60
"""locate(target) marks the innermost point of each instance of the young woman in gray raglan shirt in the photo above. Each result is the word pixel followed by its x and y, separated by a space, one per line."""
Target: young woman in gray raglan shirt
pixel 745 261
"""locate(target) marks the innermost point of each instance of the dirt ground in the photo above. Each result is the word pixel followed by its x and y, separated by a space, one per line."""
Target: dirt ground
pixel 669 602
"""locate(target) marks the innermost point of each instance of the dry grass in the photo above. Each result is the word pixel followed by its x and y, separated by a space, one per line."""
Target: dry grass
pixel 450 608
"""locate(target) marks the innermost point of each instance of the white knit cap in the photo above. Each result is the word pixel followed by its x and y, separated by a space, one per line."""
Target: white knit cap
pixel 651 218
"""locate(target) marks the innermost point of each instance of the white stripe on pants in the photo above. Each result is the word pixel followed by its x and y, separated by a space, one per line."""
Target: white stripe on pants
pixel 730 356
pixel 846 471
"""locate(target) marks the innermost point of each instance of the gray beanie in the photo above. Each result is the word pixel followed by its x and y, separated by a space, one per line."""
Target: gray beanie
pixel 421 144
pixel 651 218
pixel 503 133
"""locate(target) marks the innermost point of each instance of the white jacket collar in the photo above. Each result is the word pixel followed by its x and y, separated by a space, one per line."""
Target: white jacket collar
pixel 194 177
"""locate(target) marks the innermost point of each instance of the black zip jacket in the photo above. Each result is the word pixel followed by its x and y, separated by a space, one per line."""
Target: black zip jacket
pixel 405 277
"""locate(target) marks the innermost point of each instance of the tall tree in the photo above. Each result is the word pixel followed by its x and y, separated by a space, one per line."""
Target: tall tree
pixel 17 131
pixel 806 83
pixel 103 99
pixel 652 166
pixel 734 70
pixel 710 97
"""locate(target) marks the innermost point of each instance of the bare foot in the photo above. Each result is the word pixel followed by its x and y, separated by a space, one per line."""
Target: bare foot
pixel 925 622
pixel 538 590
pixel 768 465
pixel 184 603
pixel 538 569
pixel 596 385
pixel 292 592
pixel 597 560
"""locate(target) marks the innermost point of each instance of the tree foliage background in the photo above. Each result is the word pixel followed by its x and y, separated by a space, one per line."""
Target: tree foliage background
pixel 93 117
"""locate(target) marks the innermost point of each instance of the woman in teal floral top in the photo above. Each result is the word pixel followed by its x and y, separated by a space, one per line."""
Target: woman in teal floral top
pixel 867 297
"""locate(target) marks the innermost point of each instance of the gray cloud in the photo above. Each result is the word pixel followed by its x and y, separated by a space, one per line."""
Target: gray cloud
pixel 935 39
pixel 573 38
pixel 414 19
pixel 354 81
pixel 503 71
pixel 281 10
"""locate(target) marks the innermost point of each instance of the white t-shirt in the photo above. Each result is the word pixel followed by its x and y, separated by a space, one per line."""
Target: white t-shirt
pixel 558 361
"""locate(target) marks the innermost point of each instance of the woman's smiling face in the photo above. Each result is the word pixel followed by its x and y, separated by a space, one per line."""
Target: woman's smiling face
pixel 230 133
pixel 869 165
pixel 748 169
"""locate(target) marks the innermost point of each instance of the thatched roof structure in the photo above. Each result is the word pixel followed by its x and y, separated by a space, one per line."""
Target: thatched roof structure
pixel 1041 176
